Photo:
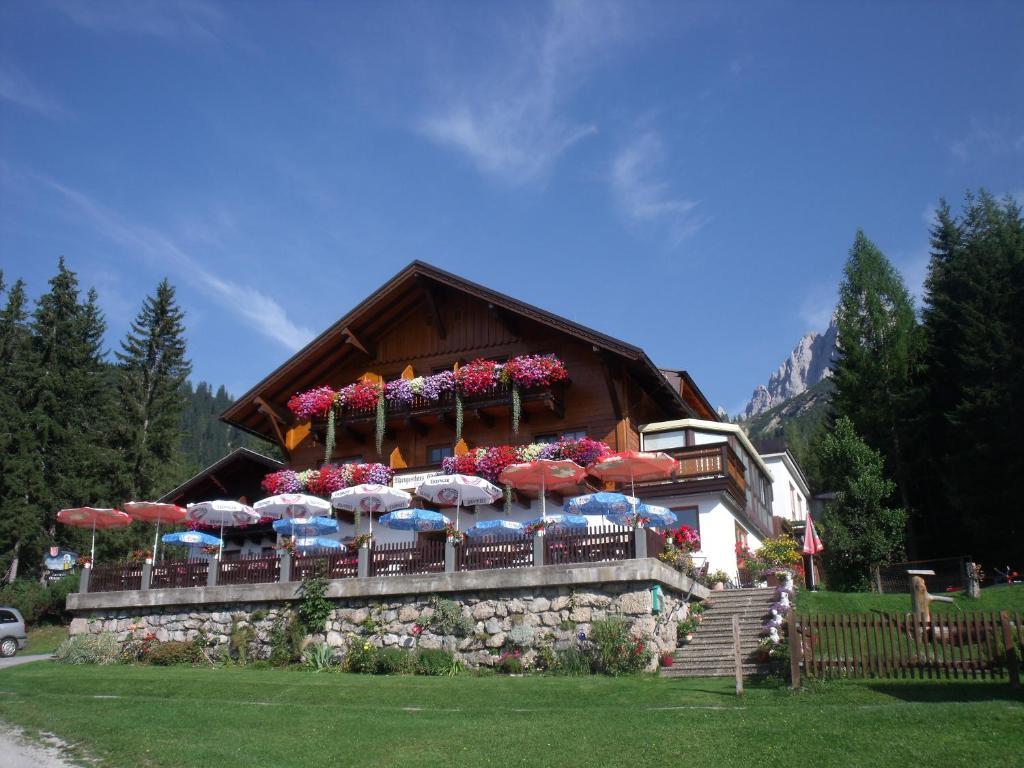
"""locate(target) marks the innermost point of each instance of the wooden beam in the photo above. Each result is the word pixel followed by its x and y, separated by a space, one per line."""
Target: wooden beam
pixel 448 419
pixel 275 420
pixel 432 307
pixel 363 345
pixel 507 320
pixel 485 418
pixel 609 381
pixel 353 435
pixel 218 483
pixel 282 415
pixel 415 424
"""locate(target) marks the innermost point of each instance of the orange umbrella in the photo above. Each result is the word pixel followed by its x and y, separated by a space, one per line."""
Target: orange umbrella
pixel 155 512
pixel 543 475
pixel 632 466
pixel 94 517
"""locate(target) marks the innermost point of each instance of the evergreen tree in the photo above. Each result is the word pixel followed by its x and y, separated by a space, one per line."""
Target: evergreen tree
pixel 972 385
pixel 877 351
pixel 152 367
pixel 861 530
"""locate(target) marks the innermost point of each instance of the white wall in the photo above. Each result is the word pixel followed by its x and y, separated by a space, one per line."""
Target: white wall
pixel 787 504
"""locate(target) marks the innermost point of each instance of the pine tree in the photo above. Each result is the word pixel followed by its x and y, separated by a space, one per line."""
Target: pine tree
pixel 152 367
pixel 877 350
pixel 972 385
pixel 860 529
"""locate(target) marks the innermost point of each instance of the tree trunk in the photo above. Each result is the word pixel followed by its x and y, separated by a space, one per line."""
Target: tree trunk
pixel 12 572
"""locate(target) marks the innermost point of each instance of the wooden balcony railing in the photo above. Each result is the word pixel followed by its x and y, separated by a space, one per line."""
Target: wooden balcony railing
pixel 591 546
pixel 709 462
pixel 400 559
pixel 490 552
pixel 117 577
pixel 172 574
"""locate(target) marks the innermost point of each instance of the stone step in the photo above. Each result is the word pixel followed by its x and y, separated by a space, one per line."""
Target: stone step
pixel 717 671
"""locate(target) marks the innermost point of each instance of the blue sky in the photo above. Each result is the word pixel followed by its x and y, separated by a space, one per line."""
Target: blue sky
pixel 687 177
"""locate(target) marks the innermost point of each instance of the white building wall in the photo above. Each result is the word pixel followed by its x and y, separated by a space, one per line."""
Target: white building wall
pixel 788 501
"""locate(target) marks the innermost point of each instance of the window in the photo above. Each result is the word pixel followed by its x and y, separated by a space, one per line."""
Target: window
pixel 350 460
pixel 554 437
pixel 688 516
pixel 437 453
pixel 6 617
pixel 741 535
pixel 659 441
pixel 575 434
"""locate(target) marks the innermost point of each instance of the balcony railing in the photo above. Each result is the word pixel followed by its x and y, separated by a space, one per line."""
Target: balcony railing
pixel 717 461
pixel 383 560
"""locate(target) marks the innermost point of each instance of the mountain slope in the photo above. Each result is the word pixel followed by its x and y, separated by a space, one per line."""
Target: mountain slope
pixel 809 363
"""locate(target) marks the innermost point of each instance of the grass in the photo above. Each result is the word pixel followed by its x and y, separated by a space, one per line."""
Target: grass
pixel 1009 598
pixel 45 638
pixel 164 717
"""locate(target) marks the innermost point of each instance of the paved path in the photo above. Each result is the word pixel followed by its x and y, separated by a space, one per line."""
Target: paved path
pixel 14 661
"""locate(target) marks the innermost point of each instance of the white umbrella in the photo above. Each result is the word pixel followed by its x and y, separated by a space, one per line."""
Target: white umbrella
pixel 370 498
pixel 288 506
pixel 458 491
pixel 223 513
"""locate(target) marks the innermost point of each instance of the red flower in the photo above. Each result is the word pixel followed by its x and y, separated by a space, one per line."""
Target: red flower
pixel 477 377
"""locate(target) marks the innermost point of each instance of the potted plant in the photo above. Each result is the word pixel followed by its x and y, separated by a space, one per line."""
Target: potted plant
pixel 717 579
pixel 685 630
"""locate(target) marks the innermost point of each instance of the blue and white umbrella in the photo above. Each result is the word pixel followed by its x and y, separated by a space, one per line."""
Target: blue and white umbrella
pixel 658 517
pixel 415 520
pixel 602 503
pixel 191 539
pixel 494 528
pixel 306 526
pixel 317 542
pixel 560 522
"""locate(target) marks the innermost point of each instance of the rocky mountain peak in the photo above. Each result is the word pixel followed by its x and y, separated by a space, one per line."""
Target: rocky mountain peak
pixel 808 363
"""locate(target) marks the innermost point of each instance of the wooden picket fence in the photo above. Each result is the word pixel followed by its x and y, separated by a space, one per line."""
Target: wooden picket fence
pixel 972 645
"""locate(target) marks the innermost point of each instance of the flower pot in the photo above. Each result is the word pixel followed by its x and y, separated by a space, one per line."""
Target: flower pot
pixel 718 586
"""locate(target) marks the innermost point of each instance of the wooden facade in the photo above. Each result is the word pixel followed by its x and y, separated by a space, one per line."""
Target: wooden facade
pixel 425 320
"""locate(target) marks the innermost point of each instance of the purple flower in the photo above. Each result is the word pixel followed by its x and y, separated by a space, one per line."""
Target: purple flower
pixel 438 384
pixel 398 392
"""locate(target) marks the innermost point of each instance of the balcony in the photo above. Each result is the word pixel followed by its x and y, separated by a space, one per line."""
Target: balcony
pixel 714 467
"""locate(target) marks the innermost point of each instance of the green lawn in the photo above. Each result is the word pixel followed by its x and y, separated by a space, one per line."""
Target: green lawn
pixel 992 599
pixel 150 716
pixel 45 638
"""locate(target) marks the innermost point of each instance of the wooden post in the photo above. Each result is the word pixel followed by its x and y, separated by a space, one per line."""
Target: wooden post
pixel 972 587
pixel 795 651
pixel 83 579
pixel 147 575
pixel 738 656
pixel 876 572
pixel 1010 650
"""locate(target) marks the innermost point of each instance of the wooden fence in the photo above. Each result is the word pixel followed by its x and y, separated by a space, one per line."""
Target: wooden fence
pixel 593 546
pixel 401 559
pixel 118 577
pixel 341 564
pixel 488 552
pixel 895 646
pixel 257 569
pixel 171 574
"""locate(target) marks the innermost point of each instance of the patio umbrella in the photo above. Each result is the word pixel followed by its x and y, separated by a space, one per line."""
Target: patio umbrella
pixel 494 527
pixel 370 498
pixel 603 503
pixel 223 513
pixel 543 475
pixel 812 546
pixel 191 538
pixel 155 512
pixel 560 522
pixel 94 517
pixel 306 526
pixel 458 491
pixel 288 505
pixel 317 542
pixel 657 517
pixel 415 520
pixel 633 466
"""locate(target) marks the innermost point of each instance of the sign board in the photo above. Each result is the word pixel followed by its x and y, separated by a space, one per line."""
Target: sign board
pixel 59 562
pixel 410 480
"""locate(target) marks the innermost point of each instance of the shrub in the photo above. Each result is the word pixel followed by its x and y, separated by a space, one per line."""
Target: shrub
pixel 39 603
pixel 89 649
pixel 314 607
pixel 395 661
pixel 238 641
pixel 520 636
pixel 614 650
pixel 685 627
pixel 666 660
pixel 546 660
pixel 448 619
pixel 286 638
pixel 361 658
pixel 136 649
pixel 436 662
pixel 175 652
pixel 572 661
pixel 718 575
pixel 511 663
pixel 318 657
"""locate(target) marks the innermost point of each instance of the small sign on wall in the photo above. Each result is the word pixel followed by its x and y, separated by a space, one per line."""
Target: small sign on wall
pixel 410 480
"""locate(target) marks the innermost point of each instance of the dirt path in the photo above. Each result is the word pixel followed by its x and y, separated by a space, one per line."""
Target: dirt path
pixel 18 752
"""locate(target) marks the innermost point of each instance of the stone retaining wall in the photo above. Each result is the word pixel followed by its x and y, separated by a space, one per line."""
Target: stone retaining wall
pixel 502 618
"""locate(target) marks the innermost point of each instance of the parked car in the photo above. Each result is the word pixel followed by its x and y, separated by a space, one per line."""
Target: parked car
pixel 13 637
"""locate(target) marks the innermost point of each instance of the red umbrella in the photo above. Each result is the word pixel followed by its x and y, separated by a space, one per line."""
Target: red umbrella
pixel 812 544
pixel 543 475
pixel 155 512
pixel 94 517
pixel 632 466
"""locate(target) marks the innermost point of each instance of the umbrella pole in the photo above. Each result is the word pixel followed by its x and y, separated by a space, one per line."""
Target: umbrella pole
pixel 458 505
pixel 156 538
pixel 92 548
pixel 543 500
pixel 220 547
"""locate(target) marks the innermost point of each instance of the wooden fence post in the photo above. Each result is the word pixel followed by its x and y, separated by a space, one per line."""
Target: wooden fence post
pixel 876 572
pixel 795 651
pixel 737 654
pixel 1010 649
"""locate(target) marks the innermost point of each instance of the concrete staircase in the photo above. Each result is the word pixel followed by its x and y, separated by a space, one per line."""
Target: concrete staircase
pixel 710 653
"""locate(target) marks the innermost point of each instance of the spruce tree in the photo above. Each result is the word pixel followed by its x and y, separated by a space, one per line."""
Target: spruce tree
pixel 152 367
pixel 859 527
pixel 877 351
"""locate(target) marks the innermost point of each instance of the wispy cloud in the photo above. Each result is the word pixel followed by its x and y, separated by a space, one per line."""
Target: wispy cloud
pixel 165 19
pixel 258 310
pixel 642 192
pixel 16 88
pixel 513 125
pixel 987 138
pixel 817 307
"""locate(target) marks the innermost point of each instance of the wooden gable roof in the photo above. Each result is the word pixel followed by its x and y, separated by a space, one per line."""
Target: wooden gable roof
pixel 367 333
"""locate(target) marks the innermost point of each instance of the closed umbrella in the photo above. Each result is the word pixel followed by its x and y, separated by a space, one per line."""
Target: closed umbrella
pixel 370 498
pixel 495 528
pixel 458 491
pixel 155 512
pixel 223 513
pixel 812 546
pixel 543 475
pixel 415 520
pixel 95 518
